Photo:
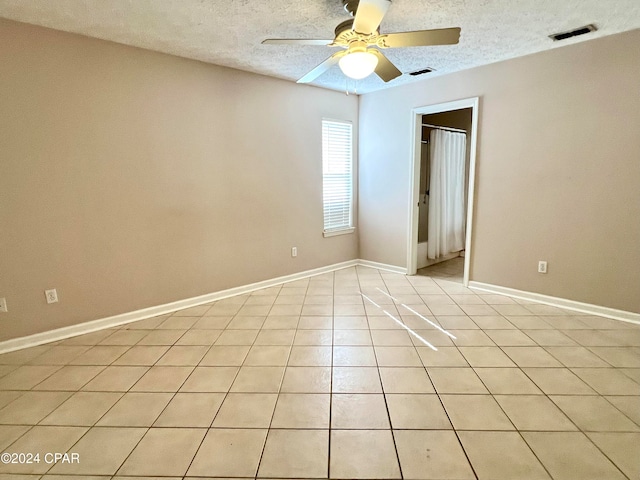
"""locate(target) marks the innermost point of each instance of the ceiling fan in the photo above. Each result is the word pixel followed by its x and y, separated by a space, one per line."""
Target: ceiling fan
pixel 360 40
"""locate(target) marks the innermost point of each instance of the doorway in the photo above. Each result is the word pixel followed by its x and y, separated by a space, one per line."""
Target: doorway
pixel 459 117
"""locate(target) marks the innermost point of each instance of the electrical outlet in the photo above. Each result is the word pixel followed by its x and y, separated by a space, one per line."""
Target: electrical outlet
pixel 51 295
pixel 3 305
pixel 542 266
pixel 294 251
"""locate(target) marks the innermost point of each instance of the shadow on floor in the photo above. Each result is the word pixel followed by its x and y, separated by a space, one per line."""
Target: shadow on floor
pixel 449 270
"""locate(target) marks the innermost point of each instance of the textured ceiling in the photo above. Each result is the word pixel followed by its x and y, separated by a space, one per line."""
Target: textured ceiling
pixel 229 32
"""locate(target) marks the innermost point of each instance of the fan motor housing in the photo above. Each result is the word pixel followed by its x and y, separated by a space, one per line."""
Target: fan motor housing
pixel 344 34
pixel 344 27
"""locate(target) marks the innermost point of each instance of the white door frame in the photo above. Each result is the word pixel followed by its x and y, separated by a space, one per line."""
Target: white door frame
pixel 414 193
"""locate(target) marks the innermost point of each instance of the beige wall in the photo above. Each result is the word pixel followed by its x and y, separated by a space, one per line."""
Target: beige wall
pixel 130 178
pixel 558 170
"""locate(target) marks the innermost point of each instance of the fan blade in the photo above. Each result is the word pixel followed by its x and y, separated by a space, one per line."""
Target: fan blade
pixel 421 38
pixel 386 70
pixel 295 41
pixel 369 15
pixel 323 67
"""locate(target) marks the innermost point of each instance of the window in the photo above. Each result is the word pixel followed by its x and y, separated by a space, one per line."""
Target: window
pixel 337 177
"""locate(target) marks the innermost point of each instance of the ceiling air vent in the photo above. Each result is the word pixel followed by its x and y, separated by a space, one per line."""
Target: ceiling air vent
pixel 421 72
pixel 573 33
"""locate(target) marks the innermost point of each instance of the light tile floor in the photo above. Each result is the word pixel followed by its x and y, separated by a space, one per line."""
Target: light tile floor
pixel 451 270
pixel 352 374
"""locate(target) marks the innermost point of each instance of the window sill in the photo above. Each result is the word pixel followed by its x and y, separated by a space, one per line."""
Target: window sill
pixel 333 233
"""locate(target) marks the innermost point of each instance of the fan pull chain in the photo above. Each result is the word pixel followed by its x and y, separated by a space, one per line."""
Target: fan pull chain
pixel 346 86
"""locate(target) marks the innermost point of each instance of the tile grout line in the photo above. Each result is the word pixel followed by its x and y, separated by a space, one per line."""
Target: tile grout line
pixel 384 396
pixel 148 429
pixel 165 407
pixel 195 453
pixel 578 429
pixel 455 431
pixel 544 394
pixel 552 327
pixel 284 371
pixel 493 398
pixel 333 323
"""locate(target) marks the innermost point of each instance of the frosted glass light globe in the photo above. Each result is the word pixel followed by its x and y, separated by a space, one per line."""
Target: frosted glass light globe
pixel 358 65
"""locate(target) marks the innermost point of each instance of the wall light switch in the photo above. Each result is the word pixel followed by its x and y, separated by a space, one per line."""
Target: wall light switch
pixel 3 305
pixel 294 251
pixel 52 295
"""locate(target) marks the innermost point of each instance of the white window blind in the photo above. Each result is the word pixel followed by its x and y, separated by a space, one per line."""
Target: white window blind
pixel 337 175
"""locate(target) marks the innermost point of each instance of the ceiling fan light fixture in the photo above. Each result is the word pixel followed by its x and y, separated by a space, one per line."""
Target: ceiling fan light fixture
pixel 358 65
pixel 361 38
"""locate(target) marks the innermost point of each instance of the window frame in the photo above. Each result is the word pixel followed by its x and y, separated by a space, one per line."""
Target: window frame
pixel 343 229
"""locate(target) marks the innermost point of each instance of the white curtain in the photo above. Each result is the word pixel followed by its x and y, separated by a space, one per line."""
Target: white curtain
pixel 446 193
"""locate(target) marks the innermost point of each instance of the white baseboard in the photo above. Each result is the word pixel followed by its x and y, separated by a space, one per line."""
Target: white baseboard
pixel 124 318
pixel 558 302
pixel 383 266
pixel 129 317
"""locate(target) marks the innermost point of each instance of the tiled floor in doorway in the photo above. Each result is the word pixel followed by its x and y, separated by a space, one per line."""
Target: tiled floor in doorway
pixel 352 374
pixel 451 270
